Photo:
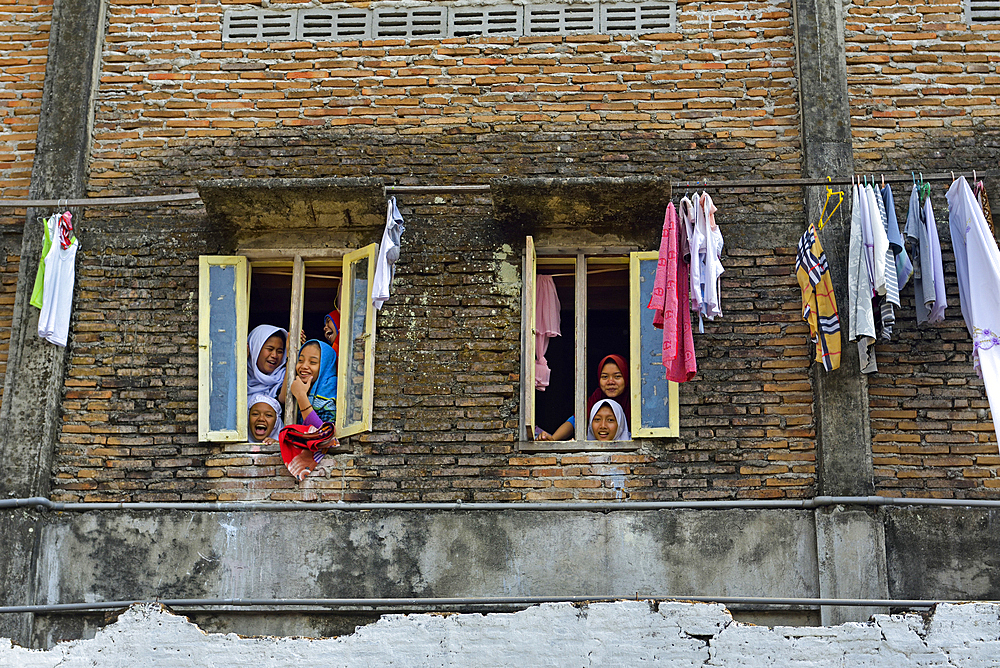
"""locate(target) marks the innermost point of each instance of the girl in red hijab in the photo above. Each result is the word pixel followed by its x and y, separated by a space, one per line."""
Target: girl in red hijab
pixel 612 383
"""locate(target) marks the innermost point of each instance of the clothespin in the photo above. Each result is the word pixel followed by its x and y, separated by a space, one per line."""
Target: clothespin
pixel 914 175
pixel 953 175
pixel 823 218
pixel 974 176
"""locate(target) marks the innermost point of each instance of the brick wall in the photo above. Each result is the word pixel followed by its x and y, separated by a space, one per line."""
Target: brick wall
pixel 176 107
pixel 24 38
pixel 923 87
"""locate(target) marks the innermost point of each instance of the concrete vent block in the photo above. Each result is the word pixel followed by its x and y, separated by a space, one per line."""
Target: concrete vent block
pixel 982 11
pixel 407 22
pixel 258 25
pixel 334 24
pixel 486 20
pixel 636 18
pixel 554 19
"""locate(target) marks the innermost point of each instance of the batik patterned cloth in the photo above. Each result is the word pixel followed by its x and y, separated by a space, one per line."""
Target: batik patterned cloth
pixel 819 306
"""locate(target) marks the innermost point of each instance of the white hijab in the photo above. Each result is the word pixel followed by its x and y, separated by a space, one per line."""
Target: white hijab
pixel 622 434
pixel 259 382
pixel 273 403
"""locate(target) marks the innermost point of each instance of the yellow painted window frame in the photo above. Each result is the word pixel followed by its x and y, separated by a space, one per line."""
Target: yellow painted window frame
pixel 581 259
pixel 528 296
pixel 299 260
pixel 347 307
pixel 636 309
pixel 242 284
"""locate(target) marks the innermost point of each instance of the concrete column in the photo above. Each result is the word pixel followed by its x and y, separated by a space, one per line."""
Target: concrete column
pixel 842 424
pixel 32 395
pixel 850 544
pixel 850 551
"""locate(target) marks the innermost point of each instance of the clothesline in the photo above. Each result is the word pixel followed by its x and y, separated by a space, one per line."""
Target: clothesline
pixel 98 201
pixel 430 189
pixel 834 181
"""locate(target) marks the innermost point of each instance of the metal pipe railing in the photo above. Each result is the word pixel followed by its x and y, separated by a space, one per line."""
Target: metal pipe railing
pixel 461 601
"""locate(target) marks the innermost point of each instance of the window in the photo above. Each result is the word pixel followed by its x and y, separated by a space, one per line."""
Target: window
pixel 603 297
pixel 294 290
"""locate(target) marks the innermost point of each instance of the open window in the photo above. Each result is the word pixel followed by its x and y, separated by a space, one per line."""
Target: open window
pixel 602 299
pixel 293 290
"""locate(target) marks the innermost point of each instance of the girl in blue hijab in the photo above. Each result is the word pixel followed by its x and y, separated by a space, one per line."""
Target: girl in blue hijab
pixel 315 383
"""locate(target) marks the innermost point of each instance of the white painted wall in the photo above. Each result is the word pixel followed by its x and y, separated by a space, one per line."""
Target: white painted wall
pixel 602 634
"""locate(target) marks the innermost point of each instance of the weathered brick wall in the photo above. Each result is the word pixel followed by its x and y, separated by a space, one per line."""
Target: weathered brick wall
pixel 177 107
pixel 923 90
pixel 24 39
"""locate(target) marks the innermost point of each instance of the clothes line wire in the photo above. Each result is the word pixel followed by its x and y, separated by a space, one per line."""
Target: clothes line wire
pixel 430 189
pixel 835 181
pixel 98 201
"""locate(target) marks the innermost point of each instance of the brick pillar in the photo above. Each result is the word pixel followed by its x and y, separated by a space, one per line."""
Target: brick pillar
pixel 30 415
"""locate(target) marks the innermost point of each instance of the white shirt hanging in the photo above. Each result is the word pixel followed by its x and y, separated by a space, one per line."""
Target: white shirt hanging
pixel 60 275
pixel 979 286
pixel 388 253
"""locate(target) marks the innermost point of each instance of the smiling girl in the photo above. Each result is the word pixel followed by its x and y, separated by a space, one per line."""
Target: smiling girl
pixel 266 360
pixel 607 422
pixel 612 383
pixel 265 423
pixel 314 386
pixel 314 389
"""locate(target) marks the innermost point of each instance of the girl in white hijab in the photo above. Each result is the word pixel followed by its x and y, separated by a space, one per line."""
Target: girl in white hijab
pixel 266 360
pixel 265 419
pixel 607 422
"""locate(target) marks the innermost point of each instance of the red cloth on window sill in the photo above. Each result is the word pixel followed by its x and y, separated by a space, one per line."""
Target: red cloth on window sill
pixel 296 439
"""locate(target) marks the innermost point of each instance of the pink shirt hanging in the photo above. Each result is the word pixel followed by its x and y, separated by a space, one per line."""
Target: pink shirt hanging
pixel 669 301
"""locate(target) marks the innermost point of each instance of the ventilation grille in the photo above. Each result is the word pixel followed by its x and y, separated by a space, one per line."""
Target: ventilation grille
pixel 489 20
pixel 440 20
pixel 561 19
pixel 982 11
pixel 406 22
pixel 624 17
pixel 332 24
pixel 260 25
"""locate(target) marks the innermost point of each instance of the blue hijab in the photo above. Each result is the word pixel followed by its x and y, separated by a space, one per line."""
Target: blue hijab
pixel 323 392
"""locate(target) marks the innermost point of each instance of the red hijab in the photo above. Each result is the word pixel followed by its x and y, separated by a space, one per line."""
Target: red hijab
pixel 623 399
pixel 334 317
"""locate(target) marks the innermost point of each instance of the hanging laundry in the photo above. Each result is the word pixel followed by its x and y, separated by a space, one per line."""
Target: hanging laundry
pixel 39 286
pixel 60 274
pixel 670 292
pixel 928 271
pixel 881 265
pixel 547 326
pixel 860 287
pixel 819 305
pixel 984 203
pixel 706 260
pixel 904 268
pixel 388 254
pixel 973 241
